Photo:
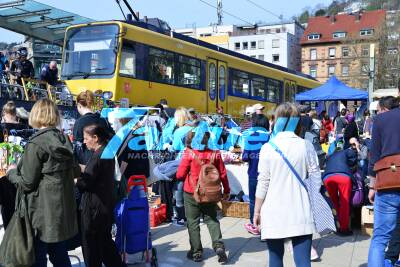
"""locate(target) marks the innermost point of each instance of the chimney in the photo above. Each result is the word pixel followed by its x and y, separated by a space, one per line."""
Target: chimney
pixel 145 19
pixel 137 14
pixel 333 18
pixel 358 16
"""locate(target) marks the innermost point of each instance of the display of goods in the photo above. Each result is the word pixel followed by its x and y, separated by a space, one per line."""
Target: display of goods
pixel 9 154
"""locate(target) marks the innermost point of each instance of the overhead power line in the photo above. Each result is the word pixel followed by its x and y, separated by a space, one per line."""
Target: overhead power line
pixel 280 17
pixel 238 18
pixel 227 13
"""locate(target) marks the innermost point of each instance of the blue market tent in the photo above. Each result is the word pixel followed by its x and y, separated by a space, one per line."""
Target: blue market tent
pixel 333 89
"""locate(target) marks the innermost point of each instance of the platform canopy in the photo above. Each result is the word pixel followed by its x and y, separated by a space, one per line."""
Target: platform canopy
pixel 332 90
pixel 37 20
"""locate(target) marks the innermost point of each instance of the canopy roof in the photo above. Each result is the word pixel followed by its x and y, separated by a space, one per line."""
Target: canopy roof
pixel 333 89
pixel 37 20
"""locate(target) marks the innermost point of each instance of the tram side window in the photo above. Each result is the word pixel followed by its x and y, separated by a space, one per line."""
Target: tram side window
pixel 258 87
pixel 189 72
pixel 128 60
pixel 240 83
pixel 273 90
pixel 161 66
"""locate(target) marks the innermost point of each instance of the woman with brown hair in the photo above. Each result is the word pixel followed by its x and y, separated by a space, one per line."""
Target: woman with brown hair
pixel 97 204
pixel 46 174
pixel 85 104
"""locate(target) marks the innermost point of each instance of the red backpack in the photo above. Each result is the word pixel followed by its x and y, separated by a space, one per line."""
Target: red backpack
pixel 208 188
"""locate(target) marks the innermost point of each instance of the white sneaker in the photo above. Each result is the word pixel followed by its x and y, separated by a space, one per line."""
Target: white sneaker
pixel 314 254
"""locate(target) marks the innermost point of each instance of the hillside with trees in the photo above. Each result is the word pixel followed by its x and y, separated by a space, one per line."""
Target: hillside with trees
pixel 337 6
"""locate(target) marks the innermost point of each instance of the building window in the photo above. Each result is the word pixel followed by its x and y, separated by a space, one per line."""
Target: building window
pixel 366 32
pixel 365 51
pixel 237 46
pixel 268 30
pixel 261 57
pixel 275 43
pixel 345 51
pixel 314 36
pixel 313 54
pixel 161 66
pixel 313 71
pixel 253 45
pixel 364 68
pixel 253 56
pixel 261 44
pixel 393 51
pixel 128 59
pixel 275 58
pixel 278 30
pixel 245 45
pixel 331 70
pixel 332 52
pixel 339 35
pixel 345 70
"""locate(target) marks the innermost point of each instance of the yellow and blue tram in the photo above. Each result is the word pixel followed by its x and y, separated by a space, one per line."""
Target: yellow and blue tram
pixel 144 64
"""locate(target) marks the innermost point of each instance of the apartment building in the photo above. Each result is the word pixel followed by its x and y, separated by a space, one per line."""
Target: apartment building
pixel 277 43
pixel 341 45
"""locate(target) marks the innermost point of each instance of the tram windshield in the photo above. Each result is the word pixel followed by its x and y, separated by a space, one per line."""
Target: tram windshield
pixel 90 51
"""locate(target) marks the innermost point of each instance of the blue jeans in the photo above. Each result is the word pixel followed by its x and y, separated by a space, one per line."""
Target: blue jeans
pixel 252 196
pixel 386 208
pixel 301 251
pixel 58 254
pixel 179 209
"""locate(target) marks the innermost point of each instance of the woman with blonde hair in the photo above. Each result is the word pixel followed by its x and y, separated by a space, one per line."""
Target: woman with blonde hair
pixel 46 174
pixel 283 209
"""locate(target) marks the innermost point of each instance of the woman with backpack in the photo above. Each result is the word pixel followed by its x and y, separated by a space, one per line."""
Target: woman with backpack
pixel 203 166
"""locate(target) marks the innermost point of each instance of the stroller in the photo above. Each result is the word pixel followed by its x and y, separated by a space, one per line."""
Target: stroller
pixel 133 223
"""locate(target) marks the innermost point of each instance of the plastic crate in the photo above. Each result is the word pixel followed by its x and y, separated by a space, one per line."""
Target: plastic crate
pixel 158 215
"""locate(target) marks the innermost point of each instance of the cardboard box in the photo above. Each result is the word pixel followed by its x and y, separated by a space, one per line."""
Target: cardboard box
pixel 367 229
pixel 367 220
pixel 367 215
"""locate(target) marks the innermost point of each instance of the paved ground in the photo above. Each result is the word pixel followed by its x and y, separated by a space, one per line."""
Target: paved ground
pixel 245 250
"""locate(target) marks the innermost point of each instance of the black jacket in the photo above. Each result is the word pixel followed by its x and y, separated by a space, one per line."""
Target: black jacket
pixel 97 188
pixel 48 75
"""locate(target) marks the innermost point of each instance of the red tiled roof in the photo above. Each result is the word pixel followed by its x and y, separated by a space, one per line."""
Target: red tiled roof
pixel 342 23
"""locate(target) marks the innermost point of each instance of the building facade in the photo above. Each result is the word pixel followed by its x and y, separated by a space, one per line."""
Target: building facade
pixel 277 43
pixel 342 45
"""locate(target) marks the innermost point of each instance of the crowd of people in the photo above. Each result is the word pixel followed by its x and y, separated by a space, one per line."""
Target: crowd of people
pixel 71 190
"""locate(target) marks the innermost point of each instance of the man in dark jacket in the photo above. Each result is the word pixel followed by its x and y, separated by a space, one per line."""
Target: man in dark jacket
pixel 259 118
pixel 49 73
pixel 337 179
pixel 22 67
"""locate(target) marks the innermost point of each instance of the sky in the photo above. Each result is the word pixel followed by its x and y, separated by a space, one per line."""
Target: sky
pixel 181 13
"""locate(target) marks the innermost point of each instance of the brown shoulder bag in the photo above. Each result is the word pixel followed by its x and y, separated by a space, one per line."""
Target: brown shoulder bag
pixel 388 173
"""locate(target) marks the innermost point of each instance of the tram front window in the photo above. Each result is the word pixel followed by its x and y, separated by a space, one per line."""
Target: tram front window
pixel 90 51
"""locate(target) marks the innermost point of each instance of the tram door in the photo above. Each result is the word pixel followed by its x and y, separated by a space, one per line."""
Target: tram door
pixel 217 85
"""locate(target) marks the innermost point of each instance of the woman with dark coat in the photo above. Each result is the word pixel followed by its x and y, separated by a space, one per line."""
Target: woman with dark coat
pixel 46 173
pixel 97 204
